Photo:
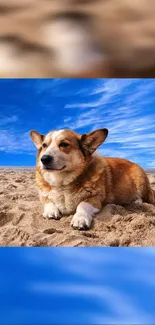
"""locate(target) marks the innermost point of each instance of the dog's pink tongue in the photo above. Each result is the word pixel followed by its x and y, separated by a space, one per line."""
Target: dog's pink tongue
pixel 75 51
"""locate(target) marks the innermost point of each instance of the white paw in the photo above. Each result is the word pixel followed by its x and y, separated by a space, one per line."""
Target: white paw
pixel 51 211
pixel 81 221
pixel 138 201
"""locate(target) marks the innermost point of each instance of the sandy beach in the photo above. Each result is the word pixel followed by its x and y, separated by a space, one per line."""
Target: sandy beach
pixel 22 223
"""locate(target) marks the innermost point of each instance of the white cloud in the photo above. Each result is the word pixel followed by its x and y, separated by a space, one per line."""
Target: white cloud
pixel 14 142
pixel 108 89
pixel 122 308
pixel 128 118
pixel 8 120
pixel 100 276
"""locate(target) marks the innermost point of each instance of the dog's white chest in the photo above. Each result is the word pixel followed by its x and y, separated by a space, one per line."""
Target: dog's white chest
pixel 64 201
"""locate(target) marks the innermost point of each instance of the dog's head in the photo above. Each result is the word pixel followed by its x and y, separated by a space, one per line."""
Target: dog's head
pixel 65 150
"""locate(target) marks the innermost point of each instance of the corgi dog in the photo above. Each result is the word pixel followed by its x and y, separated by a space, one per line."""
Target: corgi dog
pixel 75 180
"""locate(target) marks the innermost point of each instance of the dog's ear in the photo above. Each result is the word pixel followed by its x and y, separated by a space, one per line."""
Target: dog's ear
pixel 37 138
pixel 91 141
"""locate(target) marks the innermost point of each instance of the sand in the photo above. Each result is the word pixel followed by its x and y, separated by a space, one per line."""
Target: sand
pixel 22 223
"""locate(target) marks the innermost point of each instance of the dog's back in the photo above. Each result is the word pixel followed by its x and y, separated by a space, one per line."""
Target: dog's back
pixel 129 181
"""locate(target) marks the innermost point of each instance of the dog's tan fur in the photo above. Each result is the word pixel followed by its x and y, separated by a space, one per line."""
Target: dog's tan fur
pixel 89 181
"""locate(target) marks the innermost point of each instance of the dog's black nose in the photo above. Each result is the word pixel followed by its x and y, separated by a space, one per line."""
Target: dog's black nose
pixel 46 159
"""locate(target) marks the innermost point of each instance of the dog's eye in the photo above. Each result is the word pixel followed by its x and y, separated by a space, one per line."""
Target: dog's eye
pixel 64 145
pixel 44 145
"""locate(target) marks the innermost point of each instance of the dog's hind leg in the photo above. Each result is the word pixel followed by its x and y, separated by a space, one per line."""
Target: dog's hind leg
pixel 143 186
pixel 150 198
pixel 138 201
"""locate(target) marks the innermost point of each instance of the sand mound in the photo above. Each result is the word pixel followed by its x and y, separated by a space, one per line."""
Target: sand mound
pixel 22 224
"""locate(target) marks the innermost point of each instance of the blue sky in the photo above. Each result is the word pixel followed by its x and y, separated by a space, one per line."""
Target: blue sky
pixel 125 106
pixel 77 286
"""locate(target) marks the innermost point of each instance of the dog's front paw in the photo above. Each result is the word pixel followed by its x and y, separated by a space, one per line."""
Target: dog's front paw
pixel 81 221
pixel 51 211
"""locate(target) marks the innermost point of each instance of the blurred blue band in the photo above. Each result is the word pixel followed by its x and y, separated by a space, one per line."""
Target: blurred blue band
pixel 44 286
